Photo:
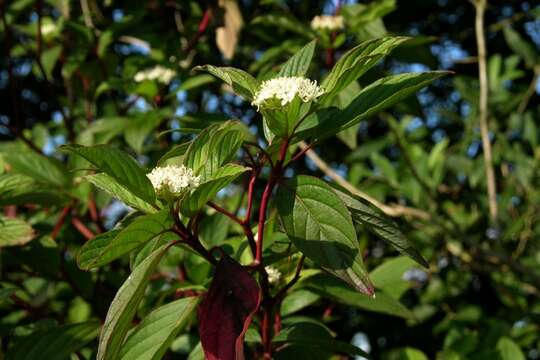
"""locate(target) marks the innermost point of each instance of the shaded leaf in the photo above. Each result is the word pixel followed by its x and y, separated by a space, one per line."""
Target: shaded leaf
pixel 316 336
pixel 375 220
pixel 56 343
pixel 521 47
pixel 331 288
pixel 227 310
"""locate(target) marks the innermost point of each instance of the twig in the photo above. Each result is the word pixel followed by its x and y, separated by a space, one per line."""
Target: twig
pixel 283 291
pixel 427 188
pixel 530 91
pixel 236 219
pixel 60 222
pixel 394 210
pixel 83 229
pixel 480 8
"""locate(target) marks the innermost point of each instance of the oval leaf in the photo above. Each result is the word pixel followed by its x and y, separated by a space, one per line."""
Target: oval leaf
pixel 107 247
pixel 14 232
pixel 124 306
pixel 298 64
pixel 376 221
pixel 153 336
pixel 319 225
pixel 118 165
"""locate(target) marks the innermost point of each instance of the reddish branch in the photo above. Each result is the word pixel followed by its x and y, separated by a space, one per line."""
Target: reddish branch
pixel 203 25
pixel 245 225
pixel 83 229
pixel 60 222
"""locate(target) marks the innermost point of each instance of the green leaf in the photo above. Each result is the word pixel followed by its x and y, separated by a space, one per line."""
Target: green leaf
pixel 113 188
pixel 176 151
pixel 297 300
pixel 314 335
pixel 124 306
pixel 389 275
pixel 105 248
pixel 342 100
pixel 521 47
pixel 298 64
pixel 242 83
pixel 49 58
pixel 40 168
pixel 153 336
pixel 214 147
pixel 18 189
pixel 509 350
pixel 359 16
pixel 55 343
pixel 319 224
pixel 208 190
pixel 14 232
pixel 284 21
pixel 118 165
pixel 333 289
pixel 355 62
pixel 141 126
pixel 376 221
pixel 408 354
pixel 376 97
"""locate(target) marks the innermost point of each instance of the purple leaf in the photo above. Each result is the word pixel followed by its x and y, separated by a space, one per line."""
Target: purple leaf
pixel 227 310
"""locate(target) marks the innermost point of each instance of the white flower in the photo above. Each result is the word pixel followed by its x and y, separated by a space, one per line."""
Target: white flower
pixel 47 28
pixel 173 180
pixel 273 274
pixel 285 89
pixel 158 73
pixel 327 22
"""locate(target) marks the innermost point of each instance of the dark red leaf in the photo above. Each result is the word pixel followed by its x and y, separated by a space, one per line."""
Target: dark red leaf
pixel 227 310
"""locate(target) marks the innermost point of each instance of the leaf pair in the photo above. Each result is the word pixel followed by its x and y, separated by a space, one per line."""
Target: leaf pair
pixel 154 335
pixel 209 156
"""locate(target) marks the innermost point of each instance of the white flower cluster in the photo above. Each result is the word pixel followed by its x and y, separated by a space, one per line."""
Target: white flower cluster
pixel 273 274
pixel 48 28
pixel 327 22
pixel 158 73
pixel 285 89
pixel 173 180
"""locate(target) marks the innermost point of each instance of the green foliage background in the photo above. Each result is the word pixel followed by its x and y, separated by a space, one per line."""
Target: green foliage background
pixel 74 83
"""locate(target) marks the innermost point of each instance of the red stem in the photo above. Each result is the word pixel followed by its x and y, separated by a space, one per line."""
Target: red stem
pixel 251 187
pixel 85 231
pixel 243 224
pixel 60 222
pixel 274 176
